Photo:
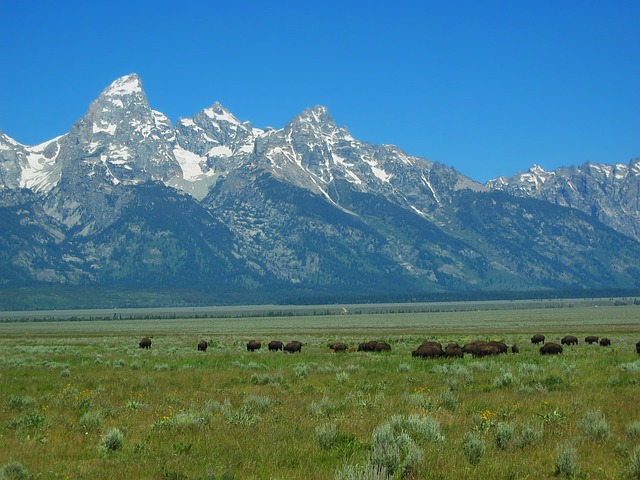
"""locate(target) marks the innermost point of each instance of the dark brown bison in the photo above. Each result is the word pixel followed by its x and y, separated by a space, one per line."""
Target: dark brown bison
pixel 293 347
pixel 536 339
pixel 253 345
pixel 605 342
pixel 275 345
pixel 145 343
pixel 368 346
pixel 202 346
pixel 382 347
pixel 453 350
pixel 569 340
pixel 338 347
pixel 482 348
pixel 515 348
pixel 550 349
pixel 591 339
pixel 638 347
pixel 428 350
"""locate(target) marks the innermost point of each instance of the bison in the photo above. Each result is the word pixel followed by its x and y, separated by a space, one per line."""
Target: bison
pixel 550 349
pixel 569 340
pixel 453 350
pixel 253 345
pixel 605 342
pixel 382 347
pixel 428 350
pixel 145 343
pixel 536 339
pixel 293 347
pixel 515 348
pixel 638 347
pixel 591 339
pixel 275 345
pixel 338 347
pixel 202 346
pixel 368 346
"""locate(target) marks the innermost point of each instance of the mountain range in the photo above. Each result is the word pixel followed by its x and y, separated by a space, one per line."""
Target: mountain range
pixel 127 201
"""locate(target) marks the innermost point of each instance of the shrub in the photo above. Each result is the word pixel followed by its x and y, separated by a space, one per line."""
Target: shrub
pixel 422 428
pixel 404 368
pixel 448 400
pixel 473 448
pixel 594 425
pixel 342 378
pixel 567 461
pixel 634 466
pixel 505 435
pixel 362 472
pixel 15 402
pixel 326 435
pixel 91 421
pixel 633 429
pixel 504 380
pixel 529 436
pixel 112 440
pixel 14 471
pixel 394 452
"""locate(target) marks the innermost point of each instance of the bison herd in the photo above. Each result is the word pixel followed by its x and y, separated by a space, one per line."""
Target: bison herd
pixel 428 349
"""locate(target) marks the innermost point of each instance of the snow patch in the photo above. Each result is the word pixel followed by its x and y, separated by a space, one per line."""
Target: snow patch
pixel 189 163
pixel 109 129
pixel 220 151
pixel 221 115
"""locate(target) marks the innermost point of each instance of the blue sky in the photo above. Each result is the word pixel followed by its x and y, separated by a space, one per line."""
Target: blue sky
pixel 488 87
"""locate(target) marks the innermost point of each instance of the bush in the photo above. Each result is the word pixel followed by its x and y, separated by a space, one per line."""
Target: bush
pixel 594 425
pixel 394 452
pixel 14 471
pixel 567 461
pixel 362 472
pixel 633 429
pixel 473 448
pixel 505 435
pixel 112 440
pixel 634 467
pixel 326 435
pixel 91 421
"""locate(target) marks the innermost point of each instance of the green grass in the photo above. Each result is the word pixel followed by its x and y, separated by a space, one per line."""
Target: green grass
pixel 79 399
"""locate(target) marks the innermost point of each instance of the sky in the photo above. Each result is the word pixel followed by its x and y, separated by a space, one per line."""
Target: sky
pixel 487 87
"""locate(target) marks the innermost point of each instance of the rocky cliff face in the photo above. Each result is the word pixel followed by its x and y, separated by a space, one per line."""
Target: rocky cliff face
pixel 127 199
pixel 608 193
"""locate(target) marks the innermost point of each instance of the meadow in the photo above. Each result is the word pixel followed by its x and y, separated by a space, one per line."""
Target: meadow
pixel 80 399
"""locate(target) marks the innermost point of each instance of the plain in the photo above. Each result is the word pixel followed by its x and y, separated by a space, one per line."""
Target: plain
pixel 80 399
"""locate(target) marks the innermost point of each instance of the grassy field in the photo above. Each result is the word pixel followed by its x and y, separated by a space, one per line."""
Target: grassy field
pixel 79 399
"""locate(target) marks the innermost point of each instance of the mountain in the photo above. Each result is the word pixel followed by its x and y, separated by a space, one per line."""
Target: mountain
pixel 609 193
pixel 126 201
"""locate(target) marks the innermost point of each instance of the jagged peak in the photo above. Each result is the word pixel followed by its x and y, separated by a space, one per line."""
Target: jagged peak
pixel 219 113
pixel 317 115
pixel 127 85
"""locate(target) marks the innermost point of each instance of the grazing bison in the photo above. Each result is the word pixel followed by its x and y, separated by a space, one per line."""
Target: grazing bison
pixel 145 343
pixel 275 345
pixel 605 342
pixel 638 347
pixel 569 340
pixel 382 347
pixel 292 347
pixel 591 339
pixel 550 349
pixel 453 350
pixel 482 348
pixel 338 347
pixel 515 348
pixel 253 345
pixel 202 346
pixel 368 346
pixel 536 339
pixel 428 350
